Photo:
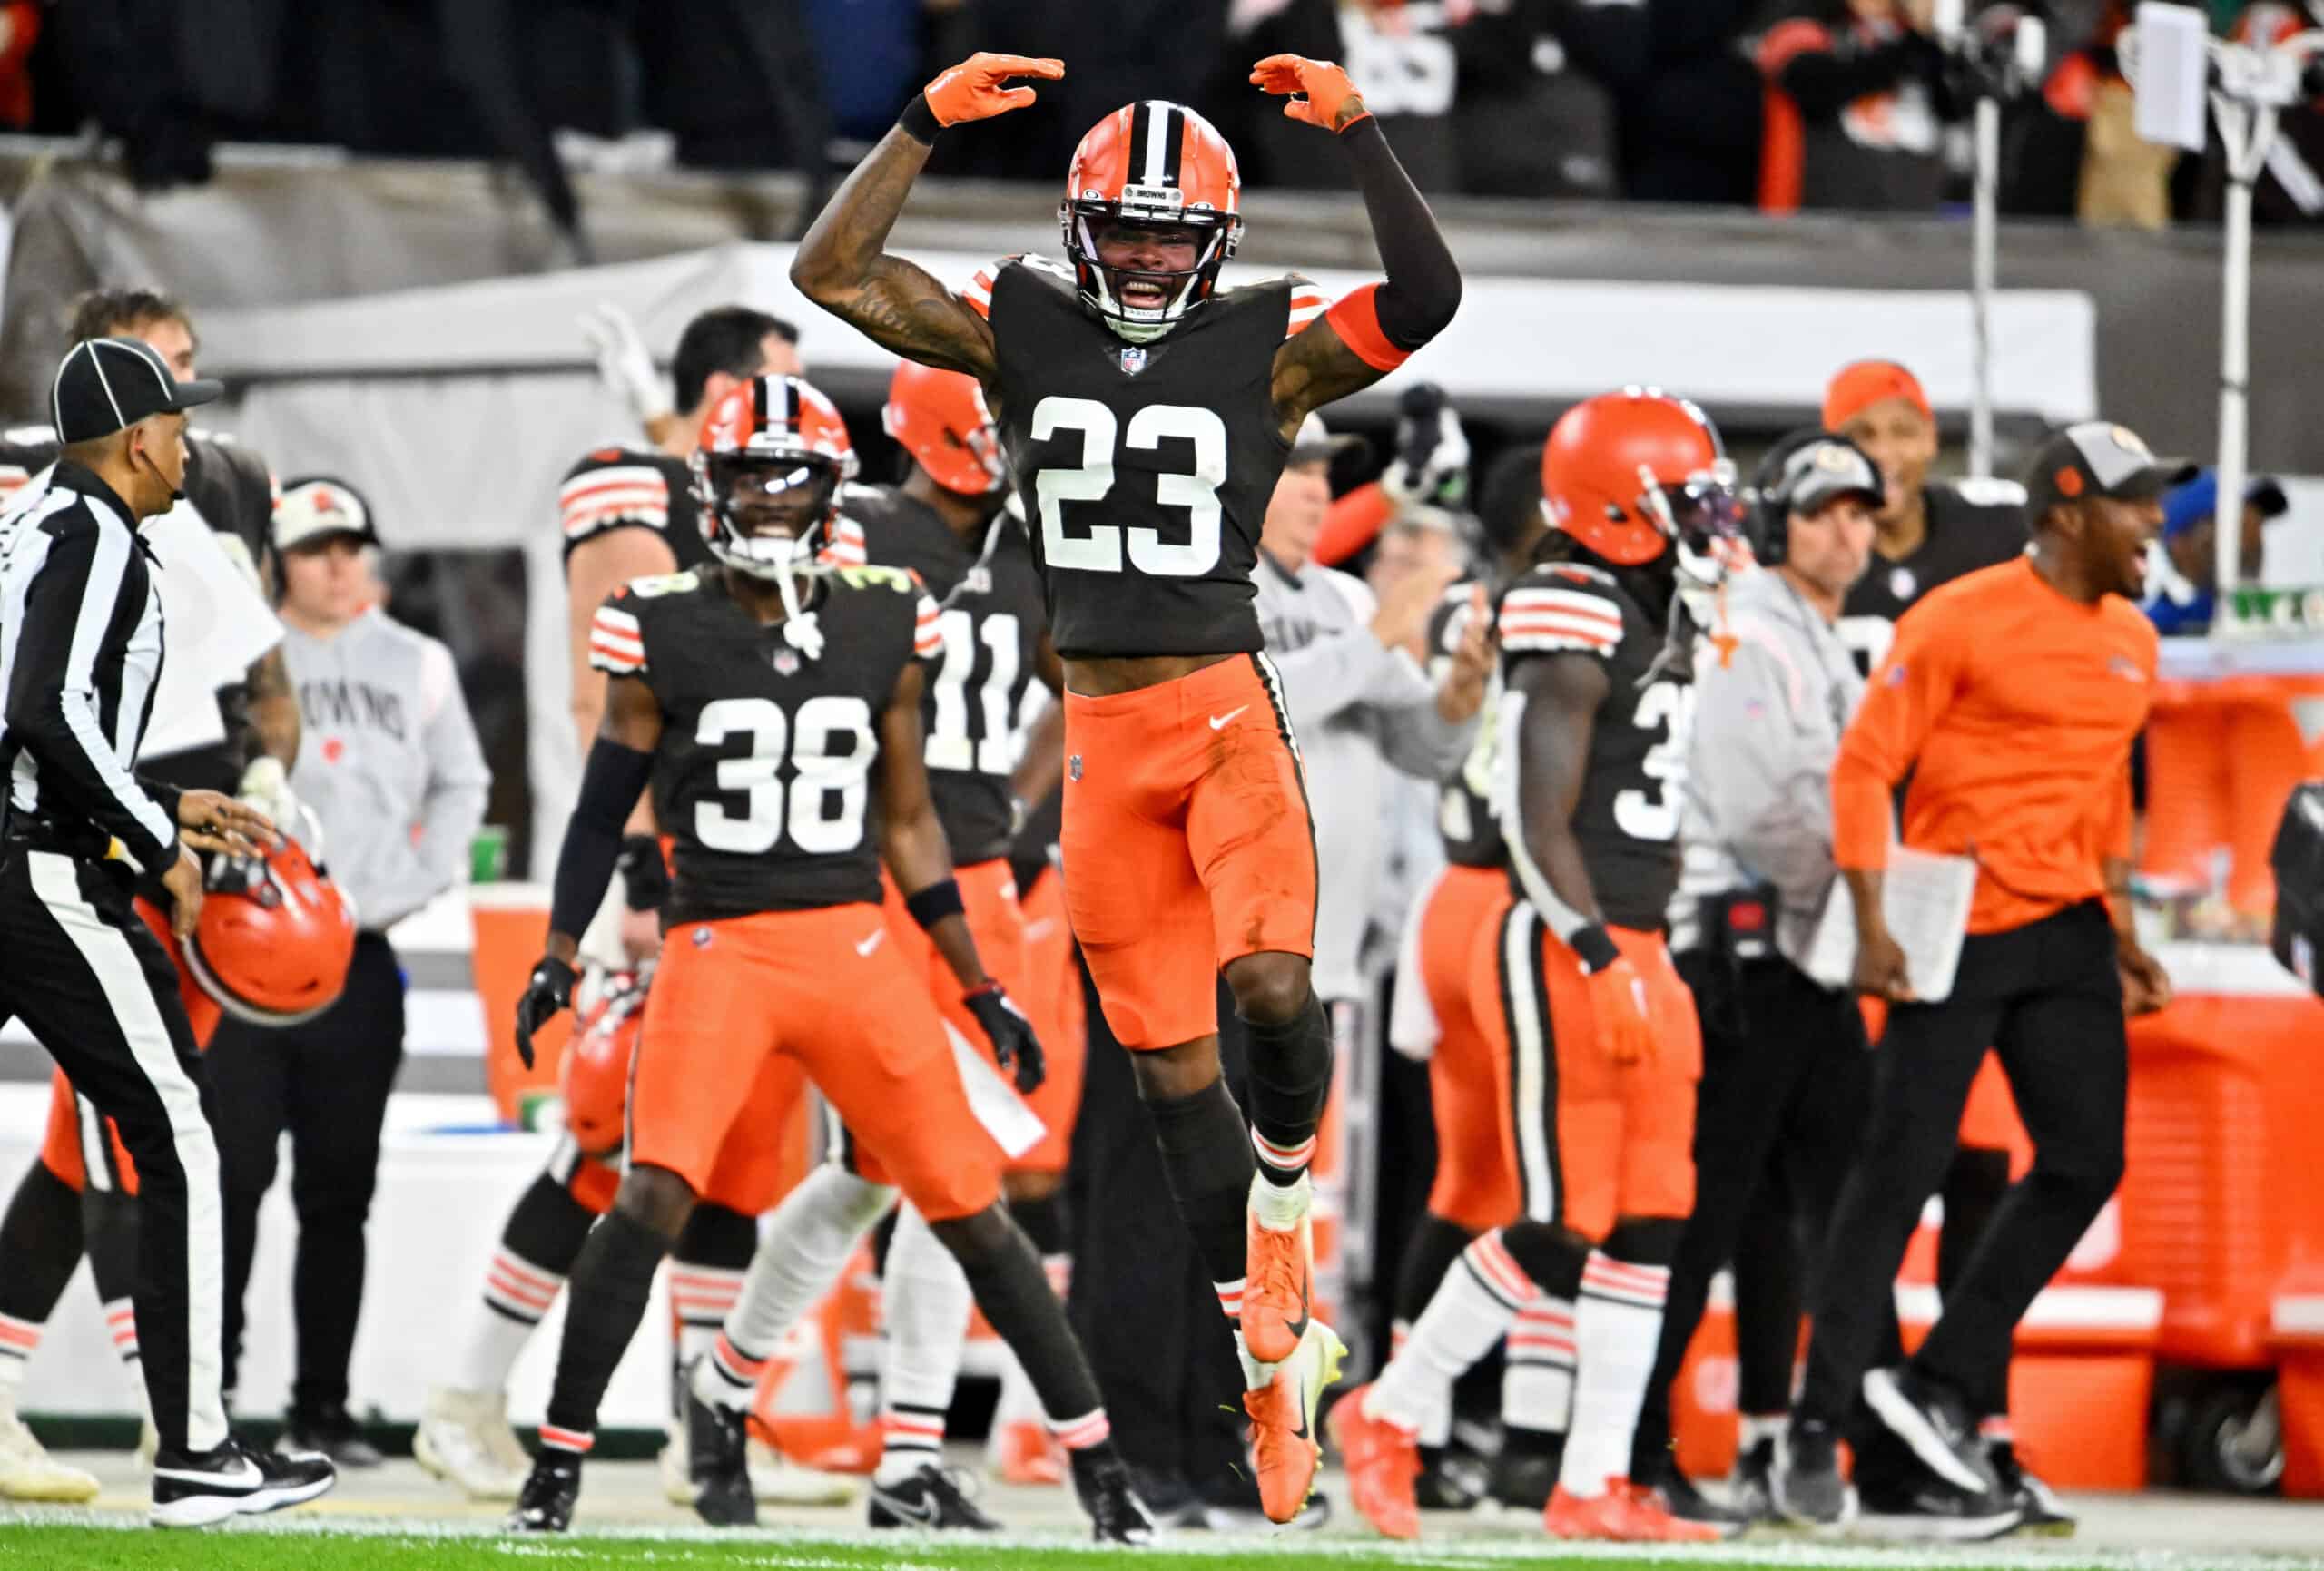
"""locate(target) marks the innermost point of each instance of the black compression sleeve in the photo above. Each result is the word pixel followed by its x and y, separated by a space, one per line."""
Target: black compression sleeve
pixel 1423 287
pixel 611 783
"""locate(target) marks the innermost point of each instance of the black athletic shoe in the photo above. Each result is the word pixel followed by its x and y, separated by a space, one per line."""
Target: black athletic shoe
pixel 2042 1511
pixel 1688 1504
pixel 1751 1488
pixel 1116 1516
pixel 1523 1479
pixel 1806 1486
pixel 931 1500
pixel 551 1490
pixel 718 1464
pixel 333 1433
pixel 1914 1504
pixel 1935 1423
pixel 1448 1482
pixel 195 1488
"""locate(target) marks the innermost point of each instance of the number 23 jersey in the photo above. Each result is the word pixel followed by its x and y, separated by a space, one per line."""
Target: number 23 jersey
pixel 1625 821
pixel 1145 468
pixel 764 775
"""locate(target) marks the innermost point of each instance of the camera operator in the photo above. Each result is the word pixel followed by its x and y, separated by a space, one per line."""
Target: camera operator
pixel 1784 1077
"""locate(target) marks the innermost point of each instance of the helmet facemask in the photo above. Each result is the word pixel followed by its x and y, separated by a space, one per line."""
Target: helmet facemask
pixel 770 515
pixel 1702 517
pixel 1140 305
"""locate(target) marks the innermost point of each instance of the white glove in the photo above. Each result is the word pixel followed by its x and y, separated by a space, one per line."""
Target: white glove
pixel 266 788
pixel 1432 456
pixel 623 363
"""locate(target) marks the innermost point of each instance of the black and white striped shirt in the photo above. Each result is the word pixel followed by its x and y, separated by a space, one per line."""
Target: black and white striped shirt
pixel 80 654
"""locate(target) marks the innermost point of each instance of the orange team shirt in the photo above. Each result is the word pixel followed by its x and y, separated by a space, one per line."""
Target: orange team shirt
pixel 2014 708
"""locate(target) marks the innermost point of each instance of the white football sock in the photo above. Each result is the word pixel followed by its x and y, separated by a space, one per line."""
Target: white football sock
pixel 701 1297
pixel 121 1320
pixel 1537 1384
pixel 517 1294
pixel 803 1248
pixel 925 1304
pixel 1473 1309
pixel 1617 1323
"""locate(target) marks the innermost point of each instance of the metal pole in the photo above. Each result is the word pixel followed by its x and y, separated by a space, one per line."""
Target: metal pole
pixel 1986 248
pixel 2245 132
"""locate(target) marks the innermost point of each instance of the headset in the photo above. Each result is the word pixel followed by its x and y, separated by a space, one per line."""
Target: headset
pixel 1769 498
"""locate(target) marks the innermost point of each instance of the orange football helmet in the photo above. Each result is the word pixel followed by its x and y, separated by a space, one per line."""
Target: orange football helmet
pixel 274 938
pixel 1161 166
pixel 593 1078
pixel 768 468
pixel 1633 474
pixel 939 417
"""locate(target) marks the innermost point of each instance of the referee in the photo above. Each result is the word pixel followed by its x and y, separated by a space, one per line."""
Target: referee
pixel 2012 697
pixel 80 649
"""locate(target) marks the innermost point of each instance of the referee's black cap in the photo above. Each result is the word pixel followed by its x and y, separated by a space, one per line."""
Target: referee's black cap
pixel 108 385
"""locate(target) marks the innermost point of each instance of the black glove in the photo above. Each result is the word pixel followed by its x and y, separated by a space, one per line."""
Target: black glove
pixel 1011 1033
pixel 549 991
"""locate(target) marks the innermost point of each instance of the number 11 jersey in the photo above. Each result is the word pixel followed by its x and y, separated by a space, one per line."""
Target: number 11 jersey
pixel 1145 468
pixel 763 778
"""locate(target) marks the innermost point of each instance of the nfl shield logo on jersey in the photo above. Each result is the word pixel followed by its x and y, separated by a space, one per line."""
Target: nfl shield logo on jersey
pixel 786 662
pixel 1133 361
pixel 1073 766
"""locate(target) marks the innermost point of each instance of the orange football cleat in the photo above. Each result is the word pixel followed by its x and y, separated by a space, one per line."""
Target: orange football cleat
pixel 1283 1452
pixel 1626 1513
pixel 1279 1267
pixel 1029 1454
pixel 1383 1464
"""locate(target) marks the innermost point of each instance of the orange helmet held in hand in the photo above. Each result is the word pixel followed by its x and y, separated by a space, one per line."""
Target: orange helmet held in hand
pixel 939 417
pixel 1631 473
pixel 1152 164
pixel 274 938
pixel 593 1079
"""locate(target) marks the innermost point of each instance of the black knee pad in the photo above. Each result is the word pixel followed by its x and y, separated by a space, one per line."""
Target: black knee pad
pixel 1551 1256
pixel 546 1226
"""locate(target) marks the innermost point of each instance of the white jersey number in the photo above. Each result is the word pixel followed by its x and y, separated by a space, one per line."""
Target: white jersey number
pixel 826 798
pixel 1100 550
pixel 949 746
pixel 1652 814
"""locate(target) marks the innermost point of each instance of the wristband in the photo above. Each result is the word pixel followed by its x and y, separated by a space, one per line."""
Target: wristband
pixel 1595 947
pixel 934 904
pixel 919 121
pixel 1359 119
pixel 644 877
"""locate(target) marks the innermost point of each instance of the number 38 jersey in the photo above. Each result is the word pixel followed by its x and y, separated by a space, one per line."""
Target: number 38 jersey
pixel 990 618
pixel 1145 468
pixel 763 775
pixel 1627 818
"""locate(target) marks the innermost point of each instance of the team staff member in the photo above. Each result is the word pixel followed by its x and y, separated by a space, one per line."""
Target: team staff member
pixel 1785 1077
pixel 82 642
pixel 2012 699
pixel 396 778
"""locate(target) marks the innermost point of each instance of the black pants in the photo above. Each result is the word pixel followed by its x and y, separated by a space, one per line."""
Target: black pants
pixel 83 971
pixel 327 1082
pixel 2047 999
pixel 1786 1079
pixel 1141 1301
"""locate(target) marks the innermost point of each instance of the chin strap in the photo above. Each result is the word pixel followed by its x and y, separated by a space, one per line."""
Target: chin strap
pixel 798 626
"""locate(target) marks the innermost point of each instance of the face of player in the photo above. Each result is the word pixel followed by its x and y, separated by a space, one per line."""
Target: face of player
pixel 326 581
pixel 2113 540
pixel 1150 249
pixel 769 501
pixel 1302 494
pixel 168 338
pixel 1902 441
pixel 1830 549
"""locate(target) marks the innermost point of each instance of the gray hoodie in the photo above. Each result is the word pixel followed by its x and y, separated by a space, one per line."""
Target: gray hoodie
pixel 387 760
pixel 1757 802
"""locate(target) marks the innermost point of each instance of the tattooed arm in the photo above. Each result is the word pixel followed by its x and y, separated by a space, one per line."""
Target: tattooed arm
pixel 841 265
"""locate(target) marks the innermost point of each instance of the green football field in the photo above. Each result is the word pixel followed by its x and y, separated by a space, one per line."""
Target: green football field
pixel 40 1546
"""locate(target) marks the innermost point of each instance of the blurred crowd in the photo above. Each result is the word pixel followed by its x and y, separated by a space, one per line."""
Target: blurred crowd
pixel 1780 104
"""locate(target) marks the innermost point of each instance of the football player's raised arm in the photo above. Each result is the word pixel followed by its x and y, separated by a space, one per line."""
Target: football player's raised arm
pixel 621 762
pixel 911 837
pixel 1372 331
pixel 843 264
pixel 1557 697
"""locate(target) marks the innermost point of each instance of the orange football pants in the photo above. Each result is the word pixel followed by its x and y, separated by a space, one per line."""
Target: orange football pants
pixel 1468 1074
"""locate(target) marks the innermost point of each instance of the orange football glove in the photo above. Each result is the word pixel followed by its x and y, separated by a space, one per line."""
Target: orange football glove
pixel 1328 98
pixel 1617 1008
pixel 972 90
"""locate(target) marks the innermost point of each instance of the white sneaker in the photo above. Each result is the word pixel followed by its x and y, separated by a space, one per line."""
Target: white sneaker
pixel 776 1480
pixel 675 1463
pixel 28 1472
pixel 149 1445
pixel 464 1439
